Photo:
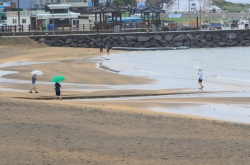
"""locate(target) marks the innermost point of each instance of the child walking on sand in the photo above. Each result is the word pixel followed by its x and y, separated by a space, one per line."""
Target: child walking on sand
pixel 58 90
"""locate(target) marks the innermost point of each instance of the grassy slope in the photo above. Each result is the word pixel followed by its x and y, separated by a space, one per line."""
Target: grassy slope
pixel 231 7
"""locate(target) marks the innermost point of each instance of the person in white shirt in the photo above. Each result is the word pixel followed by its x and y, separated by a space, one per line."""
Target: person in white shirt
pixel 200 78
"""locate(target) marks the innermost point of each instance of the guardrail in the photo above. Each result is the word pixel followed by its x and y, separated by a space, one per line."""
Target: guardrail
pixel 80 27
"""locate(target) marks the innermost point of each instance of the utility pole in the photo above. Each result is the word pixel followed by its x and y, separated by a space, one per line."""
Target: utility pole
pixel 132 7
pixel 18 13
pixel 189 8
pixel 178 6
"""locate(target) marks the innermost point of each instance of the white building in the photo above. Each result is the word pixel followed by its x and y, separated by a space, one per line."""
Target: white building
pixel 12 18
pixel 59 15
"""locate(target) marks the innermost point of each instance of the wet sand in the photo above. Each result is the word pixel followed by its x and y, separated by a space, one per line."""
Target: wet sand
pixel 38 131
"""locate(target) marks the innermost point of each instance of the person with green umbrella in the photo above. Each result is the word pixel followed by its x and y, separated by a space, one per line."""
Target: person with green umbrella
pixel 58 90
pixel 57 87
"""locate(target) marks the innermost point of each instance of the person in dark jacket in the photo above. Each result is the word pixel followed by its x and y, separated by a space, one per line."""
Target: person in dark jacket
pixel 108 47
pixel 101 47
pixel 58 90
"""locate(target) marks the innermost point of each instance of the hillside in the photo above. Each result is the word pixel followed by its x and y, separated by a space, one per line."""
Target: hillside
pixel 231 7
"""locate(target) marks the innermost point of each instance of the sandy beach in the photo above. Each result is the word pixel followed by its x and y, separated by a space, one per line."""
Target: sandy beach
pixel 37 129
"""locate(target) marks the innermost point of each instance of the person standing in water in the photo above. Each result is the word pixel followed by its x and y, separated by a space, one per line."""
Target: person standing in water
pixel 101 47
pixel 200 78
pixel 108 47
pixel 33 80
pixel 58 90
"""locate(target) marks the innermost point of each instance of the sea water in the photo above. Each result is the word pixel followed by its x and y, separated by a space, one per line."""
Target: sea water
pixel 223 68
pixel 226 71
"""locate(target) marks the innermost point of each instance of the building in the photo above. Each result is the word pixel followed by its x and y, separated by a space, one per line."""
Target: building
pixel 12 18
pixel 58 14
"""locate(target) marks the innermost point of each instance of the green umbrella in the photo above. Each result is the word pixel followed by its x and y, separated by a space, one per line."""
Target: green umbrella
pixel 58 79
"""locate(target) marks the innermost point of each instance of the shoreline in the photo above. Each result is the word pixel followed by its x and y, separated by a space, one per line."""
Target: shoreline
pixel 96 82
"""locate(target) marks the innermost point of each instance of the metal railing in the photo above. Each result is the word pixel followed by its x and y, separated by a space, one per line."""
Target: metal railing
pixel 79 27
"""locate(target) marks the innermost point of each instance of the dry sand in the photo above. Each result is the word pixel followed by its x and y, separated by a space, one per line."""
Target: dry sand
pixel 105 132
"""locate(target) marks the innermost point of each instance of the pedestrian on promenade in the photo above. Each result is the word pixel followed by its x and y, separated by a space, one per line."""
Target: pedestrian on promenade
pixel 33 80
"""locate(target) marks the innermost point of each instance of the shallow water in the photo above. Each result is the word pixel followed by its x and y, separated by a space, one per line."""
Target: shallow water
pixel 223 68
pixel 239 113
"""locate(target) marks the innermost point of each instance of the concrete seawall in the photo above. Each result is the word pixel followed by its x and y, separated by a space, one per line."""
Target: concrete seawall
pixel 193 39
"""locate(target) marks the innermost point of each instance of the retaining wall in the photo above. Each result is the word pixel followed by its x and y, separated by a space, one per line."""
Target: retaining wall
pixel 193 39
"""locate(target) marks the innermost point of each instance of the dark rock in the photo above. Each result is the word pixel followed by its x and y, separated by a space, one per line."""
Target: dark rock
pixel 194 46
pixel 147 44
pixel 169 45
pixel 68 41
pixel 178 44
pixel 81 41
pixel 124 45
pixel 222 44
pixel 138 44
pixel 154 42
pixel 57 44
pixel 195 41
pixel 122 38
pixel 223 40
pixel 158 37
pixel 128 38
pixel 208 37
pixel 74 44
pixel 187 44
pixel 233 43
pixel 169 37
pixel 204 41
pixel 162 41
pixel 215 41
pixel 131 43
pixel 210 43
pixel 244 42
pixel 199 36
pixel 231 35
pixel 216 36
pixel 121 42
pixel 200 45
pixel 61 42
pixel 83 45
pixel 143 38
pixel 114 38
pixel 239 38
pixel 247 38
pixel 247 44
pixel 180 38
pixel 190 36
pixel 42 40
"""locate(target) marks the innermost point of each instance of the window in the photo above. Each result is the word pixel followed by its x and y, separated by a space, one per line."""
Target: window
pixel 23 20
pixel 14 21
